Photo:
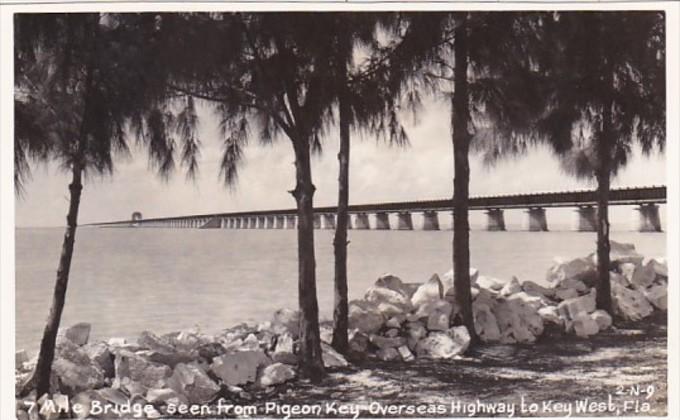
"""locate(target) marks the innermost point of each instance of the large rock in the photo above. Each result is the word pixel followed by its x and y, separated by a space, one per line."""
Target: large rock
pixel 151 341
pixel 415 332
pixel 78 333
pixel 660 265
pixel 239 368
pixel 387 298
pixel 284 352
pixel 394 283
pixel 131 365
pixel 288 320
pixel 485 323
pixel 448 280
pixel 99 354
pixel 584 325
pixel 657 295
pixel 191 381
pixel 275 374
pixel 365 316
pixel 396 321
pixel 429 291
pixel 536 289
pixel 550 314
pixel 602 319
pixel 358 344
pixel 583 269
pixel 517 321
pixel 332 358
pixel 628 303
pixel 388 354
pixel 77 377
pixel 442 345
pixel 643 275
pixel 578 306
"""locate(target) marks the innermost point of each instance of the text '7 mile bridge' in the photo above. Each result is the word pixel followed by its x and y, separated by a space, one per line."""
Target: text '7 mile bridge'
pixel 646 200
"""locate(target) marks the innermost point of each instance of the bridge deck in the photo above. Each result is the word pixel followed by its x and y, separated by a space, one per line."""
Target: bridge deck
pixel 619 196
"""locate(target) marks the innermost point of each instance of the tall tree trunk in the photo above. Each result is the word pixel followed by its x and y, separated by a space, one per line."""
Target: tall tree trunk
pixel 340 312
pixel 604 299
pixel 43 369
pixel 461 145
pixel 310 362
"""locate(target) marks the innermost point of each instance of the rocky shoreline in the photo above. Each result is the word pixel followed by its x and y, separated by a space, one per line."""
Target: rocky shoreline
pixel 396 322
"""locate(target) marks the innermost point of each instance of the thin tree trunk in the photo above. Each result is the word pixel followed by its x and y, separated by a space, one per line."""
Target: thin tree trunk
pixel 310 361
pixel 461 145
pixel 603 299
pixel 340 312
pixel 43 368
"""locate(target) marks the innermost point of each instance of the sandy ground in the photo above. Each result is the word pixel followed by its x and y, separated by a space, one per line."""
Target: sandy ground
pixel 622 372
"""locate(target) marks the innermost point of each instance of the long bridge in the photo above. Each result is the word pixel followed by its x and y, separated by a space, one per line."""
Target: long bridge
pixel 646 200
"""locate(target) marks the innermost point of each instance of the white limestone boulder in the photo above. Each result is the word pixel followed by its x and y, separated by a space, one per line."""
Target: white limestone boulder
pixel 582 269
pixel 365 316
pixel 643 275
pixel 284 352
pixel 276 374
pixel 443 345
pixel 550 315
pixel 194 383
pixel 379 295
pixel 131 365
pixel 396 321
pixel 388 354
pixel 575 307
pixel 536 289
pixel 486 325
pixel 585 326
pixel 628 303
pixel 160 396
pixel 489 283
pixel 100 354
pixel 429 291
pixel 621 253
pixel 448 280
pixel 517 321
pixel 602 318
pixel 358 343
pixel 387 342
pixel 406 354
pixel 239 368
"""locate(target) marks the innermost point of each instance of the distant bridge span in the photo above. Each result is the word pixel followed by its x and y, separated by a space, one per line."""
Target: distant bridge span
pixel 646 198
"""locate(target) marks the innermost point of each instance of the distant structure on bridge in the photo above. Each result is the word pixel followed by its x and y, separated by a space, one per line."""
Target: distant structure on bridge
pixel 646 200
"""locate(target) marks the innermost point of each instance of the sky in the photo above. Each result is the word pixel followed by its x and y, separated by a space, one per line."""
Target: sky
pixel 378 172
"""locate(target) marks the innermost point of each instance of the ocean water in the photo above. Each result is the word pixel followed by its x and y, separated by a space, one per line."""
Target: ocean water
pixel 124 281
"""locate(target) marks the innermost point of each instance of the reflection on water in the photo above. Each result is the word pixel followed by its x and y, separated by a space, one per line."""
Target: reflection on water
pixel 124 281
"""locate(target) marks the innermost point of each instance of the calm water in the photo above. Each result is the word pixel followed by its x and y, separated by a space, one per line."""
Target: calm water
pixel 124 281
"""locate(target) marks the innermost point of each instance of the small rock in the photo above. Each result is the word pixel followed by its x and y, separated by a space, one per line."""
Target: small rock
pixel 406 354
pixel 602 319
pixel 490 283
pixel 486 325
pixel 78 333
pixel 621 253
pixel 138 369
pixel 440 345
pixel 535 289
pixel 192 381
pixel 429 291
pixel 358 343
pixel 627 303
pixel 416 330
pixel 391 333
pixel 447 280
pixel 657 295
pixel 582 269
pixel 551 315
pixel 275 374
pixel 149 340
pixel 396 321
pixel 99 354
pixel 77 377
pixel 116 342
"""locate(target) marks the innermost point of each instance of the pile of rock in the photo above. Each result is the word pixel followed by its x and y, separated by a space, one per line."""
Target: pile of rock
pixel 177 368
pixel 395 321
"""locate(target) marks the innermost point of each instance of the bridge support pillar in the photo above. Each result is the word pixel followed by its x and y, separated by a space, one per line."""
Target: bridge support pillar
pixel 270 222
pixel 279 222
pixel 430 220
pixel 587 219
pixel 349 222
pixel 329 221
pixel 237 223
pixel 537 220
pixel 404 221
pixel 291 221
pixel 648 220
pixel 382 221
pixel 495 221
pixel 261 222
pixel 317 221
pixel 361 221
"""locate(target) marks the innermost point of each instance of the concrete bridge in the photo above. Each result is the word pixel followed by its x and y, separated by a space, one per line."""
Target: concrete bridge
pixel 646 200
